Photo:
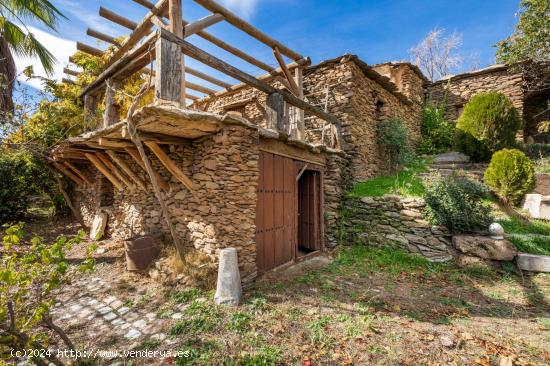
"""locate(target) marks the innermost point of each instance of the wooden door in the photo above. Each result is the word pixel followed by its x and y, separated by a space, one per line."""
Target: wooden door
pixel 309 210
pixel 275 212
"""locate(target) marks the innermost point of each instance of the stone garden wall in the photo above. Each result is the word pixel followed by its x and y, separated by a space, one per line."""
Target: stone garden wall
pixel 395 222
pixel 224 168
pixel 458 90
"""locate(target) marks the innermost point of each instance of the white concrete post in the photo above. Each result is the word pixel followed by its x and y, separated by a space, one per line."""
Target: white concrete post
pixel 228 290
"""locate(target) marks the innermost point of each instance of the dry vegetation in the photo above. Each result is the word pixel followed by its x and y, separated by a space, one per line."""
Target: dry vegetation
pixel 366 307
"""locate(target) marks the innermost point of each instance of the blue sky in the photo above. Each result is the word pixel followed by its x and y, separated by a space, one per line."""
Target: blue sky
pixel 376 30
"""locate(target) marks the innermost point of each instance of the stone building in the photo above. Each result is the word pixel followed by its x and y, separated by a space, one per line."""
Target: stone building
pixel 457 90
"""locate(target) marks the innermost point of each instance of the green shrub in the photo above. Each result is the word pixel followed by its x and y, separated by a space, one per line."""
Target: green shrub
pixel 510 175
pixel 17 174
pixel 478 151
pixel 393 137
pixel 437 132
pixel 491 119
pixel 456 202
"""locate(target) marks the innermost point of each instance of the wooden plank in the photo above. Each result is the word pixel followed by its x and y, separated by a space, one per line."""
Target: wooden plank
pixel 230 17
pixel 104 170
pixel 206 77
pixel 82 47
pixel 275 111
pixel 208 59
pixel 102 37
pixel 135 155
pixel 114 143
pixel 122 164
pixel 71 72
pixel 170 165
pixel 300 122
pixel 112 109
pixel 286 72
pixel 260 228
pixel 139 31
pixel 168 86
pixel 199 88
pixel 176 27
pixel 121 64
pixel 69 174
pixel 67 81
pixel 269 240
pixel 201 24
pixel 289 239
pixel 78 172
pixel 105 160
pixel 278 210
pixel 116 18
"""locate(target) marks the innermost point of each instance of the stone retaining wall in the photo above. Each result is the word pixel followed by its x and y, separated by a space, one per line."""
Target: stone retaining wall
pixel 395 222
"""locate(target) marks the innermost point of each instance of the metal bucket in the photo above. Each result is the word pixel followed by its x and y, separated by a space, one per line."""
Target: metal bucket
pixel 140 252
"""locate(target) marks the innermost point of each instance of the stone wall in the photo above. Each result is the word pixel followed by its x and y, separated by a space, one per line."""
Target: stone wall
pixel 395 222
pixel 408 78
pixel 459 89
pixel 224 168
pixel 357 95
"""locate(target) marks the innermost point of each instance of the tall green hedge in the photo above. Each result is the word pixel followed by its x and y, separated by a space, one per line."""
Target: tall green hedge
pixel 491 119
pixel 510 175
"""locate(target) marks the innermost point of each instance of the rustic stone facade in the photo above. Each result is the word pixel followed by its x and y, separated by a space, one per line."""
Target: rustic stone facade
pixel 352 91
pixel 457 90
pixel 221 213
pixel 394 221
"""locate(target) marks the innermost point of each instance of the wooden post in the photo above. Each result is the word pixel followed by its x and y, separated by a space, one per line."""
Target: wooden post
pixel 90 108
pixel 175 17
pixel 111 115
pixel 300 118
pixel 275 108
pixel 168 80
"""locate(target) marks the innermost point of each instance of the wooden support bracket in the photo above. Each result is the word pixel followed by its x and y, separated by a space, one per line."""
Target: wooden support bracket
pixel 78 172
pixel 170 165
pixel 122 164
pixel 104 170
pixel 293 86
pixel 69 174
pixel 105 159
pixel 132 151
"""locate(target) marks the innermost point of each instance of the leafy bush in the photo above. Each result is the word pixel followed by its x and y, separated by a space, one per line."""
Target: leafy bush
pixel 510 175
pixel 478 151
pixel 18 173
pixel 393 137
pixel 491 119
pixel 536 151
pixel 456 202
pixel 437 132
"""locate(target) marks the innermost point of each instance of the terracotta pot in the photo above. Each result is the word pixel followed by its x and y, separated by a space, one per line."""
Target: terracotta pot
pixel 140 252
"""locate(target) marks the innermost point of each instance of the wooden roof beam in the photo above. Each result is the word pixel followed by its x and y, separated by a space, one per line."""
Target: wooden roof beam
pixel 122 164
pixel 291 82
pixel 78 172
pixel 248 28
pixel 134 153
pixel 71 72
pixel 206 77
pixel 170 165
pixel 210 60
pixel 104 170
pixel 201 24
pixel 82 47
pixel 116 18
pixel 67 81
pixel 69 174
pixel 139 30
pixel 105 159
pixel 102 37
pixel 199 88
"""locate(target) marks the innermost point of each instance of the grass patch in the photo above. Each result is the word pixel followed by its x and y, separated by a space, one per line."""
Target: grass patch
pixel 182 297
pixel 265 356
pixel 514 225
pixel 239 321
pixel 405 183
pixel 533 245
pixel 200 316
pixel 317 330
pixel 148 345
pixel 544 323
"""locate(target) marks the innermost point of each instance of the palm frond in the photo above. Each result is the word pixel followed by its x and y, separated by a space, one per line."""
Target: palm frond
pixel 42 10
pixel 35 48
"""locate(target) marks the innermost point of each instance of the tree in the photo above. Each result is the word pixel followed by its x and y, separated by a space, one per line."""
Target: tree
pixel 13 38
pixel 436 54
pixel 527 50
